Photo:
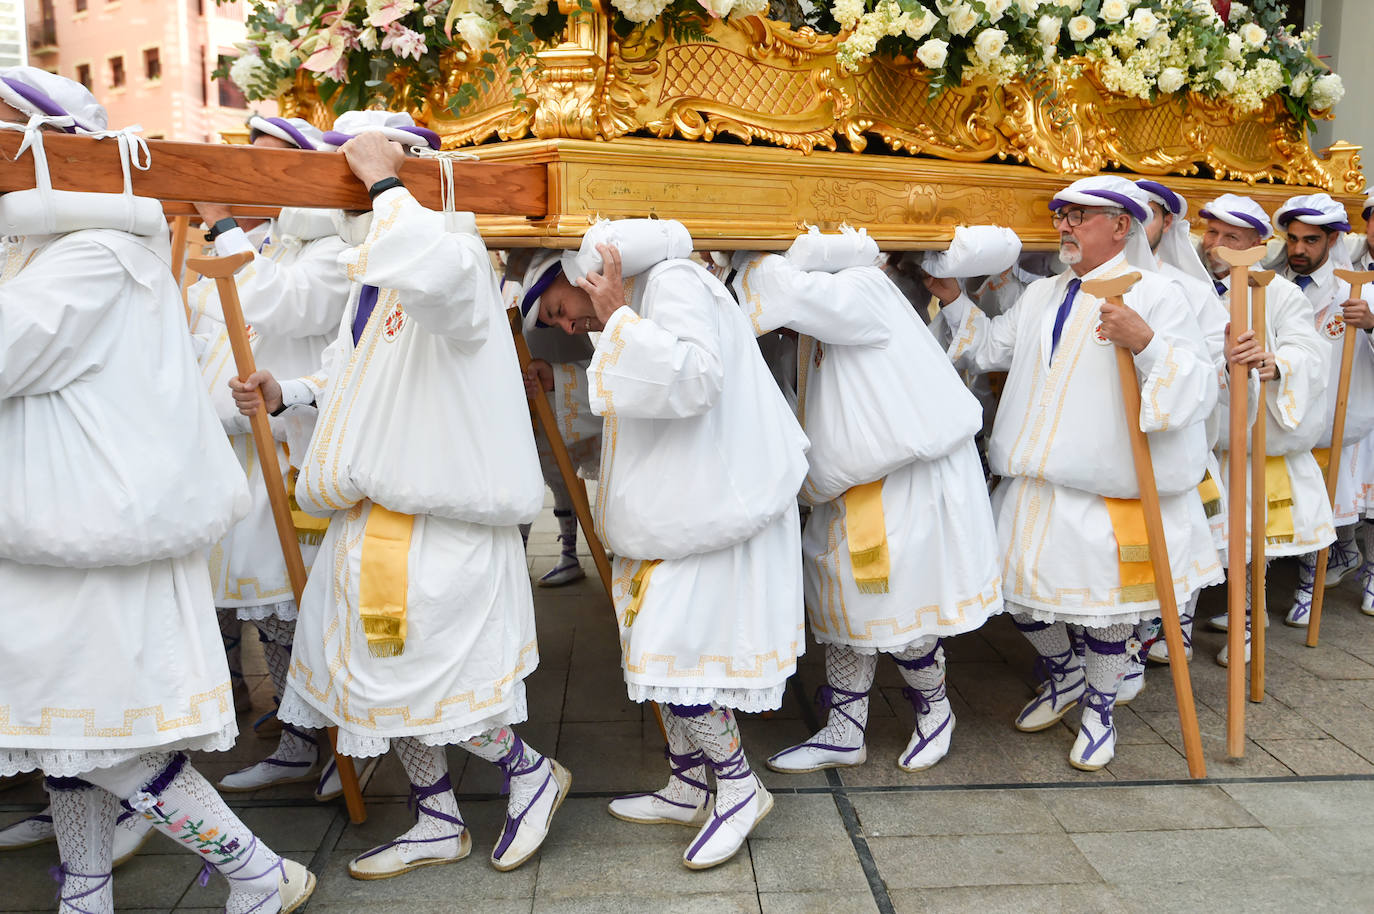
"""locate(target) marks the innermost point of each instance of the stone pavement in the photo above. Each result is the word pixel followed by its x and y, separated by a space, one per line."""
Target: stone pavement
pixel 1001 825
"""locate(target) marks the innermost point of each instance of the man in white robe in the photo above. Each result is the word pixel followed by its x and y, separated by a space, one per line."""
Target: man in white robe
pixel 1314 227
pixel 558 372
pixel 1069 518
pixel 111 503
pixel 700 467
pixel 1360 250
pixel 293 294
pixel 1177 258
pixel 1296 363
pixel 900 549
pixel 416 629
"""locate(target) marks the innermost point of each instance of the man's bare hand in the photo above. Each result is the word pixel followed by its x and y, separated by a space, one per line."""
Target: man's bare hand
pixel 943 288
pixel 1246 350
pixel 258 388
pixel 607 288
pixel 1357 314
pixel 210 213
pixel 538 378
pixel 1124 327
pixel 373 157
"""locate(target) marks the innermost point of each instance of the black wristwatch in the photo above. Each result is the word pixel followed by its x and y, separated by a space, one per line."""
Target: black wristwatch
pixel 222 226
pixel 383 186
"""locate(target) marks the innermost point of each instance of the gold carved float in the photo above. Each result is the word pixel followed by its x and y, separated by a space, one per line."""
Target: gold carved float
pixel 790 124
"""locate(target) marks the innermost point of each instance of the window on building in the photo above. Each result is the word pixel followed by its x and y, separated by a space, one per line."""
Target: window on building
pixel 152 64
pixel 230 95
pixel 81 6
pixel 83 74
pixel 116 72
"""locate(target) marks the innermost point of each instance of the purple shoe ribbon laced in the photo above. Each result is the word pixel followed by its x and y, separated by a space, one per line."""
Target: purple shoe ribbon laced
pixel 1051 670
pixel 1346 552
pixel 418 795
pixel 1367 578
pixel 60 873
pixel 247 858
pixel 510 769
pixel 67 784
pixel 1101 704
pixel 679 767
pixel 1104 648
pixel 923 702
pixel 923 662
pixel 733 768
pixel 833 698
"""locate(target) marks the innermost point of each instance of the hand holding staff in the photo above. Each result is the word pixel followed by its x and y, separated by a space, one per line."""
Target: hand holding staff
pixel 222 270
pixel 1259 499
pixel 1240 262
pixel 1112 290
pixel 1357 279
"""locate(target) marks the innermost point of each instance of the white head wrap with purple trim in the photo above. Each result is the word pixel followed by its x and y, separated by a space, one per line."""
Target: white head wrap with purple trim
pixel 67 103
pixel 1110 190
pixel 1368 207
pixel 294 130
pixel 1176 246
pixel 1242 212
pixel 1314 209
pixel 643 243
pixel 543 269
pixel 394 125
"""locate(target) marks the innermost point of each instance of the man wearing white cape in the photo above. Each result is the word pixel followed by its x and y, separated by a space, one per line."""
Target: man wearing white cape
pixel 1314 227
pixel 1296 363
pixel 1360 250
pixel 123 480
pixel 1068 512
pixel 701 462
pixel 416 629
pixel 293 294
pixel 900 548
pixel 1177 259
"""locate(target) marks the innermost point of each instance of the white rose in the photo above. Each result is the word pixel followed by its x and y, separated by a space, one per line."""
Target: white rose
pixel 1080 27
pixel 1049 28
pixel 1171 79
pixel 933 53
pixel 919 25
pixel 1253 35
pixel 1234 46
pixel 1327 91
pixel 1238 10
pixel 1145 22
pixel 281 49
pixel 996 8
pixel 1113 11
pixel 962 18
pixel 1301 83
pixel 1030 7
pixel 1226 78
pixel 749 8
pixel 990 43
pixel 479 33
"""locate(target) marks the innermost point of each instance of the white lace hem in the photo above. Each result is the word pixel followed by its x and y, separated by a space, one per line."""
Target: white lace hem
pixel 296 710
pixel 747 700
pixel 285 611
pixel 70 763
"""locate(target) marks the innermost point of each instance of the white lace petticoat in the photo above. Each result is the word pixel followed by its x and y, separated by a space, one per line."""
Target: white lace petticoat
pixel 70 763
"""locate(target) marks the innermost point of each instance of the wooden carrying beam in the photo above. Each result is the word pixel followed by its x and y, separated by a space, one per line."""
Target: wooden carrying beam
pixel 254 176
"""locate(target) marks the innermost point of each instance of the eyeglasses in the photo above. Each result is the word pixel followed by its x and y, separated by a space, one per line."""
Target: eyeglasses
pixel 1074 217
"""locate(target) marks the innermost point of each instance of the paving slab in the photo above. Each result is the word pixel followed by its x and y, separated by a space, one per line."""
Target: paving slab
pixel 860 902
pixel 1137 858
pixel 1157 808
pixel 1299 804
pixel 806 864
pixel 1010 899
pixel 954 812
pixel 966 860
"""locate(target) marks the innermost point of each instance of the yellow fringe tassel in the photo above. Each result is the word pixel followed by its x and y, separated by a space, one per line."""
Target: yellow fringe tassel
pixel 1278 492
pixel 865 529
pixel 1210 493
pixel 639 584
pixel 1133 549
pixel 383 580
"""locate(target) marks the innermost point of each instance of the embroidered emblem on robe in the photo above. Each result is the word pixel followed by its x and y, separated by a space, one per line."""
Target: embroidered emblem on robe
pixel 395 320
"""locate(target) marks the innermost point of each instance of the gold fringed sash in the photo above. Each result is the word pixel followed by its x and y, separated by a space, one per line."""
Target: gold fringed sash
pixel 1278 492
pixel 1210 493
pixel 309 528
pixel 1323 455
pixel 638 585
pixel 383 580
pixel 1132 548
pixel 865 528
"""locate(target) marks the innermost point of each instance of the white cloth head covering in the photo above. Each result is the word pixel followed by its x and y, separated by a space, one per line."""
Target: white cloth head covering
pixel 1368 207
pixel 1313 209
pixel 977 250
pixel 1109 190
pixel 394 125
pixel 294 130
pixel 1175 245
pixel 544 267
pixel 34 91
pixel 1233 209
pixel 642 243
pixel 816 251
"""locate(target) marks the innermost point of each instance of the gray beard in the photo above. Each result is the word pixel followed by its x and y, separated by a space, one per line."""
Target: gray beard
pixel 1070 255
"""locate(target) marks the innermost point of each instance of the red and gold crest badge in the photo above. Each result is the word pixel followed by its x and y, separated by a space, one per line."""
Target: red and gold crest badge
pixel 395 320
pixel 1334 327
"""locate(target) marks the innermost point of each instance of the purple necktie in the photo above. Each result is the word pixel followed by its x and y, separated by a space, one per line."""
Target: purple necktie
pixel 1063 314
pixel 366 302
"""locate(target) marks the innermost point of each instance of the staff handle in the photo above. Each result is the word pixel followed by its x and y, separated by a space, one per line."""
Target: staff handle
pixel 222 270
pixel 1112 290
pixel 1259 498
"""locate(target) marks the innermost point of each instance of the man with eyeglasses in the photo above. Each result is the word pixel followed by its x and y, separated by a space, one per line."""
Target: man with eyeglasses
pixel 1069 520
pixel 1295 362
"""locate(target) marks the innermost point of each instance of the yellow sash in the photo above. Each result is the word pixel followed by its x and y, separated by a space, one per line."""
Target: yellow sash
pixel 1278 491
pixel 1323 455
pixel 1210 493
pixel 638 585
pixel 309 529
pixel 1132 548
pixel 866 530
pixel 383 580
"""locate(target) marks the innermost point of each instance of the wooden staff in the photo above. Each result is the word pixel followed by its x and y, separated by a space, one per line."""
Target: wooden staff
pixel 180 225
pixel 1112 291
pixel 1357 279
pixel 1259 498
pixel 222 270
pixel 1240 262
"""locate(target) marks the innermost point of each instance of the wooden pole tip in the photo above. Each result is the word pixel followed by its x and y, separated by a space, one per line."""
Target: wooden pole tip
pixel 1241 258
pixel 219 267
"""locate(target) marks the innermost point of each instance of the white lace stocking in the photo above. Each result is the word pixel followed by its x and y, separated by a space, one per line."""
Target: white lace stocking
pixel 431 835
pixel 84 818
